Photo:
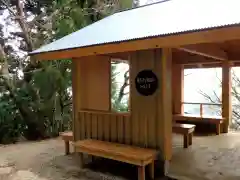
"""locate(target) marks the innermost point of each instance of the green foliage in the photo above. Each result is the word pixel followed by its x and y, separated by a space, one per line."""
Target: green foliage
pixel 11 124
pixel 39 105
pixel 117 105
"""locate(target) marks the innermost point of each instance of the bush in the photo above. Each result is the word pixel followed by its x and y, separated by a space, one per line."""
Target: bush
pixel 10 121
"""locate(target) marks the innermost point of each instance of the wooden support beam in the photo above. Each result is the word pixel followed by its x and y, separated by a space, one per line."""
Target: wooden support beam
pixel 226 95
pixel 210 65
pixel 196 66
pixel 177 88
pixel 186 58
pixel 207 50
pixel 76 96
pixel 166 101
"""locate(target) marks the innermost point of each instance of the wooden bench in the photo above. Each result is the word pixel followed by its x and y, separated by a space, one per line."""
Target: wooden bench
pixel 67 136
pixel 186 130
pixel 140 157
pixel 216 120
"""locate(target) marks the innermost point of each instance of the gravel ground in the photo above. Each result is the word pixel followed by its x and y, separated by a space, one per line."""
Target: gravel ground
pixel 45 160
pixel 209 158
pixel 214 157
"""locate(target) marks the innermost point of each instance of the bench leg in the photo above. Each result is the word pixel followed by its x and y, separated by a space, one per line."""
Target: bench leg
pixel 81 163
pixel 185 141
pixel 151 170
pixel 66 147
pixel 141 172
pixel 218 129
pixel 190 138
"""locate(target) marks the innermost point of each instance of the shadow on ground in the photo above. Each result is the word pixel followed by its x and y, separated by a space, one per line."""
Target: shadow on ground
pixel 116 169
pixel 102 169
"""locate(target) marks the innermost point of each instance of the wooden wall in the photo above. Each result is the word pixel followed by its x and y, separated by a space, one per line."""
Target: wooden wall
pixel 151 115
pixel 107 126
pixel 149 123
pixel 91 87
pixel 95 77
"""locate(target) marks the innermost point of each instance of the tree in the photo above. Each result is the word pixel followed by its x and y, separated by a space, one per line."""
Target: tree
pixel 216 98
pixel 119 91
pixel 40 92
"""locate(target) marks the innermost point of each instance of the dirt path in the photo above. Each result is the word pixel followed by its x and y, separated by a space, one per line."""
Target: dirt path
pixel 45 160
pixel 40 161
pixel 210 158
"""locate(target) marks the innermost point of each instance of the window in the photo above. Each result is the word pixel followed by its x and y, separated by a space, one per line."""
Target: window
pixel 119 85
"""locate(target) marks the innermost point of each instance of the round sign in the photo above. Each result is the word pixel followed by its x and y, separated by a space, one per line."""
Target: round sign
pixel 146 82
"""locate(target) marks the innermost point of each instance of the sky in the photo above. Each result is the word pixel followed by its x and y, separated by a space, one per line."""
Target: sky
pixel 142 2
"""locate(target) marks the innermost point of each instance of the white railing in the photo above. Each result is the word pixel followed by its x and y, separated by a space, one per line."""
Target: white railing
pixel 201 105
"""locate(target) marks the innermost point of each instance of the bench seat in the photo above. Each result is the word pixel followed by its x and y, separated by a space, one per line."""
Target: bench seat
pixel 216 120
pixel 140 157
pixel 186 130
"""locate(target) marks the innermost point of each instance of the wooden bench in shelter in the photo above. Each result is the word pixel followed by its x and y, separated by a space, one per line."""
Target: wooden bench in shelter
pixel 216 120
pixel 140 157
pixel 186 130
pixel 67 137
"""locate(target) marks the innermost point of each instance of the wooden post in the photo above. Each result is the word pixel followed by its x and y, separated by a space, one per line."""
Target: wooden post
pixel 151 170
pixel 66 147
pixel 141 172
pixel 185 141
pixel 165 109
pixel 226 95
pixel 177 88
pixel 75 97
pixel 201 110
pixel 190 136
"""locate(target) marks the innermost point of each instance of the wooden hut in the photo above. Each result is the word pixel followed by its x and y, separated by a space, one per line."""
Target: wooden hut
pixel 159 41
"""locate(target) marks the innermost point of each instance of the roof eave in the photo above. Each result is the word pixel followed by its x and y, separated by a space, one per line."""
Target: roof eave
pixel 173 40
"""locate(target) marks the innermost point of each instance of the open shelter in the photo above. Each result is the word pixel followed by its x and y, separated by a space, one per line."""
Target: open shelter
pixel 158 41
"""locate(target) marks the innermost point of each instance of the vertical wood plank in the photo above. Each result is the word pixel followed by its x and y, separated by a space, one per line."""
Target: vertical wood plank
pixel 226 95
pixel 134 97
pixel 177 88
pixel 150 105
pixel 76 80
pixel 106 127
pixel 82 126
pixel 127 119
pixel 145 130
pixel 165 102
pixel 78 132
pixel 88 126
pixel 94 126
pixel 120 129
pixel 74 87
pixel 128 128
pixel 113 124
pixel 141 108
pixel 159 127
pixel 100 126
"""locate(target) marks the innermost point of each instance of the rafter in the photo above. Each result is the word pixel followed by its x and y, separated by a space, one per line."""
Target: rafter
pixel 207 50
pixel 185 58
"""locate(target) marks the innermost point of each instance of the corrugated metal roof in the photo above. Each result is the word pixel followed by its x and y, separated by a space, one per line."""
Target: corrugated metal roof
pixel 164 18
